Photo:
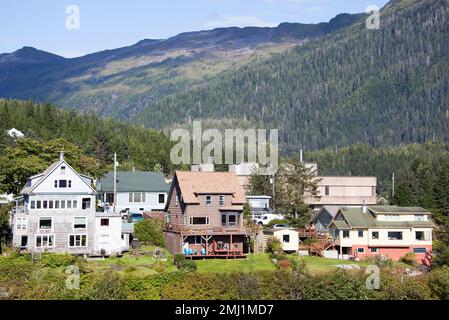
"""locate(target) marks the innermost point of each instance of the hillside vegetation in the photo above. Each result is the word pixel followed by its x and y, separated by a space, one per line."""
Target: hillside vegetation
pixel 380 87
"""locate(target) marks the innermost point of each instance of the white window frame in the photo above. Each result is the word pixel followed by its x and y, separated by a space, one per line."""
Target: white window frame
pixel 85 218
pixel 376 250
pixel 21 222
pixel 221 200
pixel 44 235
pixel 191 221
pixel 208 202
pixel 39 223
pixel 80 241
pixel 358 250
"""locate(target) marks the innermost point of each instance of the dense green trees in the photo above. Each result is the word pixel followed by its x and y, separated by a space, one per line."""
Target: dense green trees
pixel 380 87
pixel 96 137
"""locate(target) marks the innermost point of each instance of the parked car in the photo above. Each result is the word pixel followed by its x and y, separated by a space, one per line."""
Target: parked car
pixel 267 218
pixel 136 217
pixel 281 226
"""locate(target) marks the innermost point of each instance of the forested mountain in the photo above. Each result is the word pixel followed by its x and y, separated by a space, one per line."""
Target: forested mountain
pixel 120 82
pixel 95 137
pixel 381 87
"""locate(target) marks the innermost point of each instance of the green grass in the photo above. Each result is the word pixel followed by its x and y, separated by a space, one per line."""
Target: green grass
pixel 252 263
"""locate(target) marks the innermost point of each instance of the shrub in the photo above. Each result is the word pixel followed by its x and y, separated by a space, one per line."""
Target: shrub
pixel 54 260
pixel 274 245
pixel 141 289
pixel 284 264
pixel 439 282
pixel 105 286
pixel 187 265
pixel 247 286
pixel 160 267
pixel 150 231
pixel 178 258
pixel 400 287
pixel 380 261
pixel 409 258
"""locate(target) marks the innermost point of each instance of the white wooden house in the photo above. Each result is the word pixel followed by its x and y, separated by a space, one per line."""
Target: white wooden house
pixel 56 212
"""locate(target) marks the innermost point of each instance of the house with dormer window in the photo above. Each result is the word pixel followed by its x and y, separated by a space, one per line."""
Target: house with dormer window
pixel 56 212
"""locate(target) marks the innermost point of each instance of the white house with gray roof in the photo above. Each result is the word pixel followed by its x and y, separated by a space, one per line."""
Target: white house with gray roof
pixel 56 212
pixel 137 191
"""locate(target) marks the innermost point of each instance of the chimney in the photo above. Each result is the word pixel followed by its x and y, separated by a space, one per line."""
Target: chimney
pixel 364 207
pixel 300 155
pixel 61 155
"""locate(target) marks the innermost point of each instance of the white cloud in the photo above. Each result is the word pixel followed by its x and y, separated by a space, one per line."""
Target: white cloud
pixel 238 21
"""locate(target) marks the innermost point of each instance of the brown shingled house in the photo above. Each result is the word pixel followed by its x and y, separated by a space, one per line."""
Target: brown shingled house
pixel 204 215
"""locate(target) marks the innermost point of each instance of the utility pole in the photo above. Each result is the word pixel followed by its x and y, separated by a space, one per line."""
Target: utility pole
pixel 392 186
pixel 273 192
pixel 115 181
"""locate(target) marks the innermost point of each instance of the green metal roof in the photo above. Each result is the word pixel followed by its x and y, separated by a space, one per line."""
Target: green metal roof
pixel 341 225
pixel 133 181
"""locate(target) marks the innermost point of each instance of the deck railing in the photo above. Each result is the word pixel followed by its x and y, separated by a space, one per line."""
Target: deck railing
pixel 189 229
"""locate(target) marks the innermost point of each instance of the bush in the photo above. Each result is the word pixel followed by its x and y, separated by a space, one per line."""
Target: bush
pixel 380 261
pixel 54 260
pixel 439 282
pixel 284 264
pixel 141 289
pixel 187 265
pixel 150 231
pixel 409 258
pixel 274 245
pixel 104 286
pixel 177 259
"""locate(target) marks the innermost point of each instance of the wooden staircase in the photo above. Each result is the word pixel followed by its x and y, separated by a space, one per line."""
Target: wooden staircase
pixel 427 260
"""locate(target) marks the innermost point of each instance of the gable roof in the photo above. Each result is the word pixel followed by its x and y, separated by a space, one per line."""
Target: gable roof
pixel 331 210
pixel 356 218
pixel 192 184
pixel 133 181
pixel 43 175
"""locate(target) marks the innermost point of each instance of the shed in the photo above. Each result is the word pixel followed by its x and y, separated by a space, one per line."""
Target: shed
pixel 289 238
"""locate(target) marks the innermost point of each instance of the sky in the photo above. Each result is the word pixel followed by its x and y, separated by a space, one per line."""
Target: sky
pixel 78 27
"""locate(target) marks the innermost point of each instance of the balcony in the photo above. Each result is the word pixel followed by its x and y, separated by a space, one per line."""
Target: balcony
pixel 205 229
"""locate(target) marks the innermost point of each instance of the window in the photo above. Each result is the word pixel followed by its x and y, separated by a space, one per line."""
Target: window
pixel 62 169
pixel 63 183
pixel 38 204
pixel 45 223
pixel 56 183
pixel 144 197
pixel 137 197
pixel 375 235
pixel 69 204
pixel 194 240
pixel 199 220
pixel 86 203
pixel 360 250
pixel 24 241
pixel 50 204
pixel 229 220
pixel 44 241
pixel 74 204
pixel 374 250
pixel 176 200
pixel 420 217
pixel 56 204
pixel 345 233
pixel 45 204
pixel 21 223
pixel 33 204
pixel 422 235
pixel 360 233
pixel 78 240
pixel 62 204
pixel 286 238
pixel 221 200
pixel 394 235
pixel 208 201
pixel 419 250
pixel 80 223
pixel 161 198
pixel 130 197
pixel 326 190
pixel 70 183
pixel 104 222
